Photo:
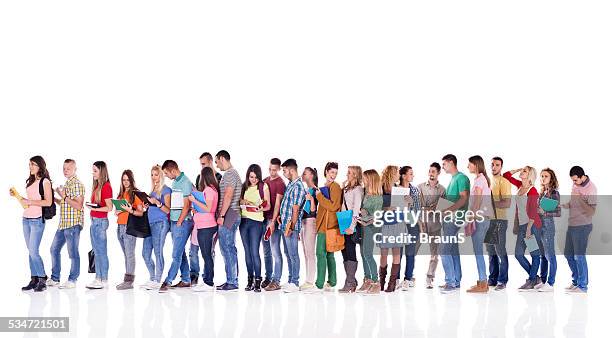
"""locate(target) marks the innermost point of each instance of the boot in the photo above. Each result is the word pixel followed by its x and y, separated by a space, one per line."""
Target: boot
pixel 364 286
pixel 382 275
pixel 250 286
pixel 194 279
pixel 41 284
pixel 481 287
pixel 374 289
pixel 350 284
pixel 31 285
pixel 265 283
pixel 257 286
pixel 128 282
pixel 395 268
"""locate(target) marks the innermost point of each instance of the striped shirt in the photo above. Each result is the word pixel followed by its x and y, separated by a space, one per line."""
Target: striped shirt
pixel 295 194
pixel 70 216
pixel 230 179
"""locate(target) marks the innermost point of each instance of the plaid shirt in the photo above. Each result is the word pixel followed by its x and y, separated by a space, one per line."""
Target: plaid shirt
pixel 295 194
pixel 70 216
pixel 555 196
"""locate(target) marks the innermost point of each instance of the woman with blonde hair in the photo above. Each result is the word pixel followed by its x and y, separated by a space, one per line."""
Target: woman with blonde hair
pixel 352 196
pixel 390 231
pixel 157 213
pixel 372 202
pixel 528 217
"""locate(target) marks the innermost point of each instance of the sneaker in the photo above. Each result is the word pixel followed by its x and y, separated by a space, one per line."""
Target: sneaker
pixel 429 283
pixel 546 288
pixel 67 285
pixel 407 284
pixel 165 287
pixel 492 282
pixel 203 287
pixel 227 288
pixel 265 283
pixel 528 286
pixel 96 284
pixel 284 286
pixel 328 288
pixel 306 286
pixel 51 282
pixel 151 285
pixel 571 287
pixel 538 283
pixel 273 286
pixel 576 291
pixel 500 286
pixel 291 288
pixel 448 289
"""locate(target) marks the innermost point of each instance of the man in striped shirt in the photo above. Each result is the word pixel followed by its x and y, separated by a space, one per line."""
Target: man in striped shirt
pixel 291 222
pixel 71 199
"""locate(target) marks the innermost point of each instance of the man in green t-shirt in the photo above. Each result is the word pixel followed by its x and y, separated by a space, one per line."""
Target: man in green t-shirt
pixel 458 192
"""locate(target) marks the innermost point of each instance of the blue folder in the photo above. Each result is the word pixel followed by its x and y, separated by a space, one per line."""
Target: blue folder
pixel 325 191
pixel 199 196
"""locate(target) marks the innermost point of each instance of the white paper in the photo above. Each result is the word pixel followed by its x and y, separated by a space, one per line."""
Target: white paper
pixel 176 200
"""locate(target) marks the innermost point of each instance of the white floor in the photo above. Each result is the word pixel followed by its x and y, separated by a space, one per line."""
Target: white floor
pixel 415 313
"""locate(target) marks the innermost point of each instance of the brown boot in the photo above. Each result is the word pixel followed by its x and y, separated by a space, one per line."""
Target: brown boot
pixel 350 285
pixel 364 286
pixel 128 282
pixel 481 287
pixel 374 289
pixel 395 268
pixel 382 275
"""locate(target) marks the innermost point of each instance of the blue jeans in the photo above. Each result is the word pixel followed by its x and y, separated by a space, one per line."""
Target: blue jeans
pixel 548 268
pixel 274 242
pixel 70 236
pixel 267 252
pixel 97 232
pixel 227 243
pixel 180 235
pixel 194 260
pixel 33 229
pixel 477 243
pixel 155 244
pixel 128 246
pixel 250 233
pixel 290 244
pixel 498 257
pixel 519 252
pixel 205 241
pixel 449 254
pixel 410 250
pixel 576 243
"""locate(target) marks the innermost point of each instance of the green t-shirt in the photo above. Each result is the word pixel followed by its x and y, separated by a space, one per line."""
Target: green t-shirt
pixel 458 184
pixel 182 184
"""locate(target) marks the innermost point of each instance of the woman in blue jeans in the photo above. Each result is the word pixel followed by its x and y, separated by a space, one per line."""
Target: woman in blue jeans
pixel 100 205
pixel 34 221
pixel 158 210
pixel 481 208
pixel 254 200
pixel 548 268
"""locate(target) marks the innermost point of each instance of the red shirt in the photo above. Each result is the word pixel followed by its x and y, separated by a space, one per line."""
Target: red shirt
pixel 532 200
pixel 107 192
pixel 277 186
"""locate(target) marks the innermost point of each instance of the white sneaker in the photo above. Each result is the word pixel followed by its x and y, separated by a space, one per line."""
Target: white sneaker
pixel 96 284
pixel 68 285
pixel 546 288
pixel 203 287
pixel 328 288
pixel 571 287
pixel 284 286
pixel 51 282
pixel 291 288
pixel 151 285
pixel 306 286
pixel 407 284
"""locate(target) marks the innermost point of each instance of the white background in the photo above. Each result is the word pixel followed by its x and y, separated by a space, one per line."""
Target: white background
pixel 367 83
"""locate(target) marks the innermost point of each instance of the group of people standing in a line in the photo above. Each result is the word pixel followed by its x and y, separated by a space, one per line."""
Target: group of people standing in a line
pixel 268 211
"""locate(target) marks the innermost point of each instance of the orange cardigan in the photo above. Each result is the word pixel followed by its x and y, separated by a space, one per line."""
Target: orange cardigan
pixel 326 215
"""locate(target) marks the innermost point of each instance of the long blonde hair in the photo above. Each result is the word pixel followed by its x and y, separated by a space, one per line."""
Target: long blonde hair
pixel 533 174
pixel 372 186
pixel 358 178
pixel 157 189
pixel 388 176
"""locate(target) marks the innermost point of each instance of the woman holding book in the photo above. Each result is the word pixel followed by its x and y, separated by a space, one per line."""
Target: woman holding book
pixel 254 200
pixel 352 196
pixel 550 194
pixel 309 227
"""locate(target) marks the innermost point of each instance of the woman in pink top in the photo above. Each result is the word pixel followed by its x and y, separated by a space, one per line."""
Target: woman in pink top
pixel 528 217
pixel 205 224
pixel 34 222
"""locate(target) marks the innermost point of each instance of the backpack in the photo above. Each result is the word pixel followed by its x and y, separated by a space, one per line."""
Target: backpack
pixel 50 211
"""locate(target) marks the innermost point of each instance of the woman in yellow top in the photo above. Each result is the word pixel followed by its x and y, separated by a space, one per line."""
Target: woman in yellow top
pixel 327 220
pixel 128 242
pixel 254 200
